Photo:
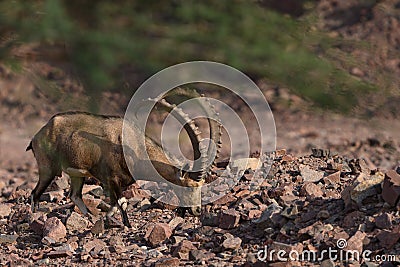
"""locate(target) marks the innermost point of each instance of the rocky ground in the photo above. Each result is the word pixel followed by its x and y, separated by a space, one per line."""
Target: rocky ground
pixel 304 204
pixel 344 199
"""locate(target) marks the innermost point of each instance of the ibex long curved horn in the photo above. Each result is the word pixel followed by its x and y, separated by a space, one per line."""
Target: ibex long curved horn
pixel 180 95
pixel 200 156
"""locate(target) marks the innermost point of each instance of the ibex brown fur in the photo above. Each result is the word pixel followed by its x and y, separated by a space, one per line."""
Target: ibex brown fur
pixel 88 145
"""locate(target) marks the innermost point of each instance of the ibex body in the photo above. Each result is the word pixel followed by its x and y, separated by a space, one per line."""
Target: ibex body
pixel 88 145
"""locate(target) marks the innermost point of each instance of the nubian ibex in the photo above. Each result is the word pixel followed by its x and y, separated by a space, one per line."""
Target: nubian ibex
pixel 83 145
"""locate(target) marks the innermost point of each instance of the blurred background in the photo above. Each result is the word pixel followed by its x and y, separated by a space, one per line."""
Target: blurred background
pixel 329 69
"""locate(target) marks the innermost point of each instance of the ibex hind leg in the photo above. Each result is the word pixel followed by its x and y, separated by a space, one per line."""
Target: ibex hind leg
pixel 46 176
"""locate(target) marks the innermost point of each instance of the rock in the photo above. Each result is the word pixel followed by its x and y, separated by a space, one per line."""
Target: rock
pixel 92 203
pixel 48 241
pixel 311 191
pixel 246 163
pixel 253 214
pixel 175 222
pixel 353 219
pixel 383 221
pixel 59 254
pixel 280 153
pixel 117 244
pixel 98 227
pixel 232 243
pixel 356 242
pixel 362 187
pixel 5 210
pixel 327 263
pixel 389 238
pixel 77 222
pixel 37 222
pixel 269 217
pixel 135 192
pixel 310 175
pixel 182 249
pixel 391 188
pixel 278 246
pixel 53 196
pixel 55 229
pixel 60 183
pixel 323 214
pixel 8 239
pixel 95 246
pixel 167 262
pixel 288 158
pixel 199 255
pixel 229 219
pixel 332 179
pixel 94 190
pixel 209 219
pixel 357 72
pixel 157 233
pixel 225 199
pixel 290 212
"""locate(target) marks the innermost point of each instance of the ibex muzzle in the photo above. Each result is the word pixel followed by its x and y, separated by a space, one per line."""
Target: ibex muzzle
pixel 88 145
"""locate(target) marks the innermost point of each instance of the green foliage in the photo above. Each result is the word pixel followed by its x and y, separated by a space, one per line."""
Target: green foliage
pixel 101 36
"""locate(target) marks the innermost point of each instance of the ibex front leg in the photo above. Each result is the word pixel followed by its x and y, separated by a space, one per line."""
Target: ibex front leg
pixel 76 194
pixel 118 202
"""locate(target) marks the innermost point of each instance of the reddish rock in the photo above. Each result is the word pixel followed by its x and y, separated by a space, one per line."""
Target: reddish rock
pixel 157 233
pixel 288 158
pixel 200 255
pixel 232 243
pixel 92 203
pixel 227 198
pixel 277 246
pixel 175 222
pixel 389 238
pixel 60 183
pixel 5 210
pixel 333 178
pixel 77 222
pixel 98 227
pixel 96 245
pixel 384 221
pixel 229 219
pixel 54 229
pixel 182 249
pixel 254 214
pixel 37 222
pixel 95 190
pixel 311 191
pixel 135 192
pixel 391 188
pixel 280 153
pixel 167 262
pixel 356 242
pixel 310 175
pixel 353 219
